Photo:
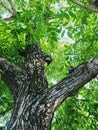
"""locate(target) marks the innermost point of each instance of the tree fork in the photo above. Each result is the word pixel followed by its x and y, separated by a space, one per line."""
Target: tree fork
pixel 34 102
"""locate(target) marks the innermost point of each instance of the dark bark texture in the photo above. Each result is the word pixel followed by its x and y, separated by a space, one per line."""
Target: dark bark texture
pixel 34 102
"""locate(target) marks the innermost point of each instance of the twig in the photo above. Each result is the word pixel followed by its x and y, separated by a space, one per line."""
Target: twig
pixel 84 6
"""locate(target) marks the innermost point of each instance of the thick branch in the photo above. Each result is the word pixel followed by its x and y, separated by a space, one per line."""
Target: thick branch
pixel 8 75
pixel 84 6
pixel 75 80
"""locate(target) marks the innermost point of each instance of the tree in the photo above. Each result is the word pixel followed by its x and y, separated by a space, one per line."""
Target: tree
pixel 34 102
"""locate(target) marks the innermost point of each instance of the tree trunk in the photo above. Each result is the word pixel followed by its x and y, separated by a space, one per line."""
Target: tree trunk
pixel 31 113
pixel 34 102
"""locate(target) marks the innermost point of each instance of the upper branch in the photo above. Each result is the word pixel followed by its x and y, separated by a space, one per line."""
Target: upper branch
pixel 8 75
pixel 75 80
pixel 84 6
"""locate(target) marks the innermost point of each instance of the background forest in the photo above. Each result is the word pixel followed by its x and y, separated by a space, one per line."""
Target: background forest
pixel 69 33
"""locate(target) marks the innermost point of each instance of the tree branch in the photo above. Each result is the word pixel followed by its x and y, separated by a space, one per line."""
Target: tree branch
pixel 8 75
pixel 75 80
pixel 84 6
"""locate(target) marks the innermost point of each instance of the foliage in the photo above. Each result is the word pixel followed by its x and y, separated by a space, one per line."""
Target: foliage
pixel 46 23
pixel 80 111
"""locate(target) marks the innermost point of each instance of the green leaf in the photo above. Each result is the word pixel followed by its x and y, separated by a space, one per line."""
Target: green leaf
pixel 70 34
pixel 62 34
pixel 66 15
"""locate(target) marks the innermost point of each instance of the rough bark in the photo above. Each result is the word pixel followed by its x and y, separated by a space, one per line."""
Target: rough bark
pixel 34 102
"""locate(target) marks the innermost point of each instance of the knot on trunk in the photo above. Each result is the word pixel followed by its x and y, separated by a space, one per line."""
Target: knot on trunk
pixel 35 49
pixel 35 59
